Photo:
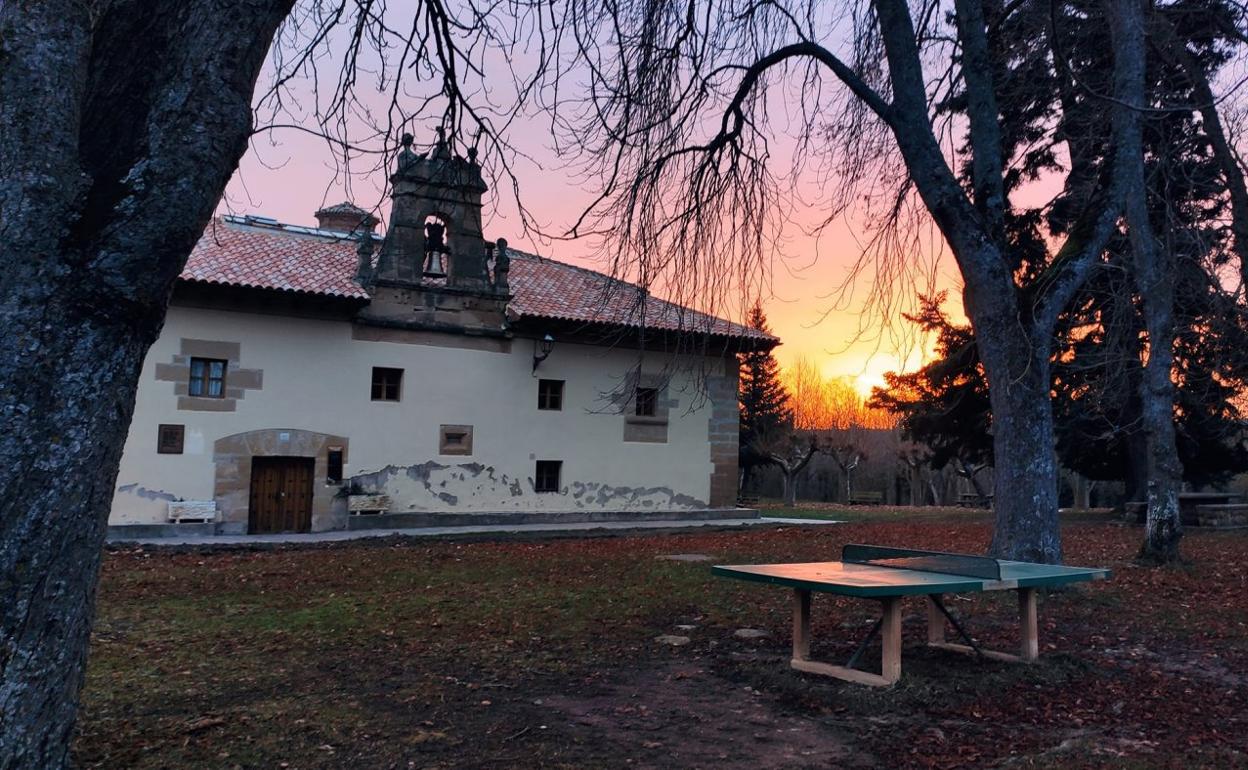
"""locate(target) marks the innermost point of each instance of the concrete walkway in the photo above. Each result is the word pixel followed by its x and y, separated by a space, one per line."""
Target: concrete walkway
pixel 433 532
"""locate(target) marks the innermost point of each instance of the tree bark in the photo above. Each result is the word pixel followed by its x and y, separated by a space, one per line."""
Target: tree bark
pixel 1024 469
pixel 790 488
pixel 1153 271
pixel 111 163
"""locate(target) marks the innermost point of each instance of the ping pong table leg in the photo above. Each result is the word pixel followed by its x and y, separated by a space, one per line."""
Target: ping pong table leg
pixel 890 636
pixel 1027 615
pixel 935 623
pixel 801 624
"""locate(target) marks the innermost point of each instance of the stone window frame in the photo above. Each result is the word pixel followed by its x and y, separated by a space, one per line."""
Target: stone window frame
pixel 641 428
pixel 446 446
pixel 544 397
pixel 542 480
pixel 235 385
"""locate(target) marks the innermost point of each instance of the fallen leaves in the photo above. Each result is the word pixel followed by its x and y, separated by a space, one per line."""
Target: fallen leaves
pixel 378 655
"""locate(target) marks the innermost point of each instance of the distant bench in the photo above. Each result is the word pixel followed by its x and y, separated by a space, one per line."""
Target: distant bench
pixel 1199 509
pixel 866 498
pixel 1226 516
pixel 747 501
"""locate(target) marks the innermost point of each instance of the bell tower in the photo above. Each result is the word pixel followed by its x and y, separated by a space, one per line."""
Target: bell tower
pixel 434 267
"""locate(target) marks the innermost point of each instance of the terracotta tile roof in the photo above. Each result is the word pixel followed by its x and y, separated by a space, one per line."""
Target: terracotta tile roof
pixel 545 288
pixel 261 253
pixel 234 255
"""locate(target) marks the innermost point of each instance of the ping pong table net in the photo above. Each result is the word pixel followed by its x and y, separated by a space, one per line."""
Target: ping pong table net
pixel 961 564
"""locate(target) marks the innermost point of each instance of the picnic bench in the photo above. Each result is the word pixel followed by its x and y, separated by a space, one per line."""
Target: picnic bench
pixel 890 574
pixel 866 498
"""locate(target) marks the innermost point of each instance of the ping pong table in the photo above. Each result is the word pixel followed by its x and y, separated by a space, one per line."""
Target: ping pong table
pixel 890 574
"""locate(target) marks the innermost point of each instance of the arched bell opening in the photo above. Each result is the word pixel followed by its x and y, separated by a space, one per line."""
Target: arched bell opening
pixel 437 253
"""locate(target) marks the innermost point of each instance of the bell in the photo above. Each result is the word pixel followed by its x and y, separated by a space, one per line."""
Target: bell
pixel 435 264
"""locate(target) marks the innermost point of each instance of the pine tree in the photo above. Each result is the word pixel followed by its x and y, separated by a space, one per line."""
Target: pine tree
pixel 763 400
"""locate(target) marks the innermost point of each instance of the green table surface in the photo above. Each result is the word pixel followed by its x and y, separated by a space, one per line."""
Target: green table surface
pixel 866 580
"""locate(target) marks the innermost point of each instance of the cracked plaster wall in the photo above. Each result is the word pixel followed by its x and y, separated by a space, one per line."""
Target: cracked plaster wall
pixel 435 486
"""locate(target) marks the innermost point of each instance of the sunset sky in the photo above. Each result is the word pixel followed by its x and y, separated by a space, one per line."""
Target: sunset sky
pixel 288 175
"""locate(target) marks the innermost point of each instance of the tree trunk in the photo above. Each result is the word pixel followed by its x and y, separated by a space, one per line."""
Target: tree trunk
pixel 1163 526
pixel 1153 270
pixel 111 163
pixel 1082 492
pixel 790 488
pixel 1024 468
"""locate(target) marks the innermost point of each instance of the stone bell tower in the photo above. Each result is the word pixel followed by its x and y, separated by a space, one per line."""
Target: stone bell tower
pixel 434 268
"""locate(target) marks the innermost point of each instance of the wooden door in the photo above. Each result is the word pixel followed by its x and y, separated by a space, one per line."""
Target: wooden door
pixel 281 495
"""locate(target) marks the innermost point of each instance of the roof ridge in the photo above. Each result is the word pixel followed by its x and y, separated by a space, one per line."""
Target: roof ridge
pixel 269 226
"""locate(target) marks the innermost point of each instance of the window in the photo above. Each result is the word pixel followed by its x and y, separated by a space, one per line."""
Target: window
pixel 207 378
pixel 647 402
pixel 550 395
pixel 455 440
pixel 386 383
pixel 333 466
pixel 547 477
pixel 169 439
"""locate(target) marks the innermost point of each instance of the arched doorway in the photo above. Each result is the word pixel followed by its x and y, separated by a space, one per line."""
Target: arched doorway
pixel 287 469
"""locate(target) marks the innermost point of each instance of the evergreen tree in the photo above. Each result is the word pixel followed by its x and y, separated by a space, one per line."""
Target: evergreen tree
pixel 764 403
pixel 944 405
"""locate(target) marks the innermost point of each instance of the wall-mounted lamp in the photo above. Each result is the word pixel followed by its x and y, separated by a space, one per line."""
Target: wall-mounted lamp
pixel 541 351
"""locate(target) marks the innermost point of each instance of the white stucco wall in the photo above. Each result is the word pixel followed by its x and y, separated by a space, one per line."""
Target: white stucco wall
pixel 317 378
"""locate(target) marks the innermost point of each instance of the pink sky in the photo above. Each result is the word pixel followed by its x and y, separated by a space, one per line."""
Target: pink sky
pixel 288 174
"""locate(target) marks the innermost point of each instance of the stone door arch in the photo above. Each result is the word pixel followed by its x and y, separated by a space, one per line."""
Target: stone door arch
pixel 232 456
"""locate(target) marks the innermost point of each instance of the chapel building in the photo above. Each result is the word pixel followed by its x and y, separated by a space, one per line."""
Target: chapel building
pixel 322 378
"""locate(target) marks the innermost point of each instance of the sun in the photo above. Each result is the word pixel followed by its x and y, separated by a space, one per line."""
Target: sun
pixel 866 381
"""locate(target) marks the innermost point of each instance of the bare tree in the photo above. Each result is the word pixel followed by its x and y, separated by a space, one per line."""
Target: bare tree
pixel 914 458
pixel 705 205
pixel 790 453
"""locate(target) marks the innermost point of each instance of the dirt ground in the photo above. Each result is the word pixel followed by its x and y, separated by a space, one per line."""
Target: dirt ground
pixel 544 654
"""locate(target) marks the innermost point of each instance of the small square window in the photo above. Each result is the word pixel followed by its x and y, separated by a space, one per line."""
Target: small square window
pixel 455 440
pixel 646 403
pixel 546 478
pixel 207 378
pixel 550 395
pixel 333 465
pixel 387 383
pixel 169 439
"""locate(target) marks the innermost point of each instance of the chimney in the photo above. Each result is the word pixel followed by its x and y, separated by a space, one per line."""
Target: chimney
pixel 345 217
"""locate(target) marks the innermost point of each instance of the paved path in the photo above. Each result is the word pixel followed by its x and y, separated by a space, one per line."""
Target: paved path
pixel 552 529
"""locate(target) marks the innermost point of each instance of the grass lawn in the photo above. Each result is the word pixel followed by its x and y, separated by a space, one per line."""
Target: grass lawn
pixel 543 653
